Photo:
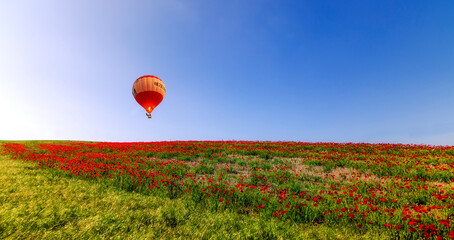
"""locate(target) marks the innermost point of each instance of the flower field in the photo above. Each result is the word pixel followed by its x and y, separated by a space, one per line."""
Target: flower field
pixel 406 190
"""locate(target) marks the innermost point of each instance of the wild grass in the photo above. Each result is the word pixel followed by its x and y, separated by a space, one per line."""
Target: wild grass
pixel 226 190
pixel 37 204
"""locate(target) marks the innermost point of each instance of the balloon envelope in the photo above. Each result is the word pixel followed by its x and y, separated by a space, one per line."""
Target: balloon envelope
pixel 148 91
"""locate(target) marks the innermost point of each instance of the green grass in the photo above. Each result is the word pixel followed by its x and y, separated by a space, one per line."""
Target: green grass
pixel 35 204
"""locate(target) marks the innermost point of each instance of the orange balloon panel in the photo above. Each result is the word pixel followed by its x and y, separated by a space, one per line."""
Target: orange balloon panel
pixel 149 91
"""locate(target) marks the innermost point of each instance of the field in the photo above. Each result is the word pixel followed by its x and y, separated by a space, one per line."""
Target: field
pixel 226 190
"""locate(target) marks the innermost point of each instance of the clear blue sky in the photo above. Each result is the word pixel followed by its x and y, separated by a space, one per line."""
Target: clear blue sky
pixel 329 71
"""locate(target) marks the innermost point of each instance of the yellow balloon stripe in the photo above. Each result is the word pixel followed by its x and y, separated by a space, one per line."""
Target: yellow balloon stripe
pixel 149 84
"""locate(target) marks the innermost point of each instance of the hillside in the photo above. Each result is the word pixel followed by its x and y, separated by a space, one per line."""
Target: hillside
pixel 226 189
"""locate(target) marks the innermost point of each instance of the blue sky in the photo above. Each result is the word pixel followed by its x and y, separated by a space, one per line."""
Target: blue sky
pixel 313 71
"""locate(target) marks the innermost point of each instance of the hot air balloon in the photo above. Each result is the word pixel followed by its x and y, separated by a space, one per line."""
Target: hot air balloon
pixel 148 91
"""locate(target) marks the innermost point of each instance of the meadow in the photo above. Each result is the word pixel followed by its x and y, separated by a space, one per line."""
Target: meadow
pixel 226 190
